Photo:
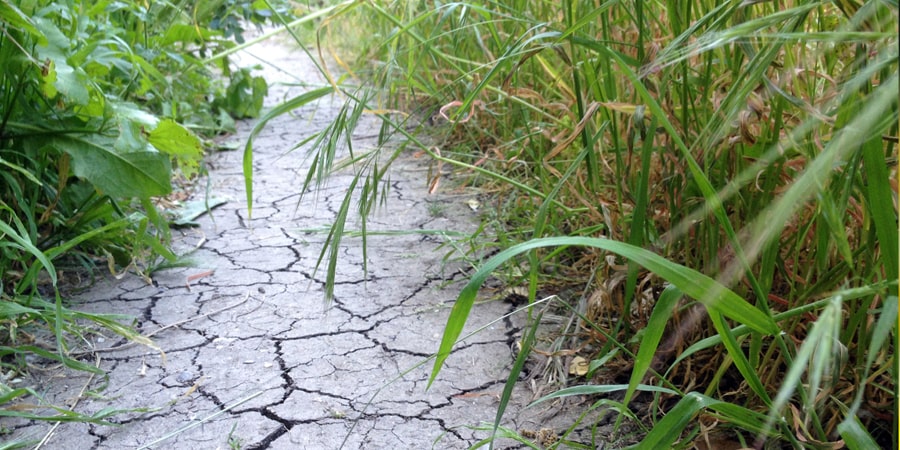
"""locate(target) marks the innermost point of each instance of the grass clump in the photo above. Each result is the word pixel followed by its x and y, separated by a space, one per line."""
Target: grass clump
pixel 718 179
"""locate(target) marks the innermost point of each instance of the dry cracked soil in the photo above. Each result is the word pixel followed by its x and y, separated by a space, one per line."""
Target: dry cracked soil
pixel 255 359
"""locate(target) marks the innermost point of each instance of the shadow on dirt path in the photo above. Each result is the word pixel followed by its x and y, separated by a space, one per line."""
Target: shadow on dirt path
pixel 255 360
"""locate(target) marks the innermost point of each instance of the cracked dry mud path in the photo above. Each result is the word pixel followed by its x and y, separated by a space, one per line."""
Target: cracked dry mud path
pixel 257 357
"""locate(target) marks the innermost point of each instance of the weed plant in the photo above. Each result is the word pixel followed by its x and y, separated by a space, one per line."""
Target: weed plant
pixel 98 102
pixel 718 178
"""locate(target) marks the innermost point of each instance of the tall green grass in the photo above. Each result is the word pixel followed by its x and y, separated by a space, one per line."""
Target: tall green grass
pixel 719 176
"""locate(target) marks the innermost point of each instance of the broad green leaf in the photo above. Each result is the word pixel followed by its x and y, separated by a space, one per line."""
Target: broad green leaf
pixel 188 212
pixel 62 414
pixel 132 137
pixel 706 290
pixel 12 15
pixel 245 94
pixel 48 79
pixel 501 433
pixel 70 81
pixel 130 111
pixel 182 32
pixel 173 139
pixel 741 330
pixel 122 175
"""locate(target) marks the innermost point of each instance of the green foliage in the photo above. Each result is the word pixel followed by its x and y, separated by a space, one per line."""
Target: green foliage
pixel 244 95
pixel 745 151
pixel 97 101
pixel 229 16
pixel 706 290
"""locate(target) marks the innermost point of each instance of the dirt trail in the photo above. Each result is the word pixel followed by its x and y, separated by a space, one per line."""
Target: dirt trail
pixel 255 360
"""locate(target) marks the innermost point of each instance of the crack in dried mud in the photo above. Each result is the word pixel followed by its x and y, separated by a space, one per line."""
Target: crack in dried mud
pixel 316 367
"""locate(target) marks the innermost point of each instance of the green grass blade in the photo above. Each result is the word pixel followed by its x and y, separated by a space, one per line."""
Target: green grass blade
pixel 881 202
pixel 418 143
pixel 540 219
pixel 669 429
pixel 68 362
pixel 739 416
pixel 739 358
pixel 524 351
pixel 503 432
pixel 58 250
pixel 282 108
pixel 887 321
pixel 855 435
pixel 595 389
pixel 822 331
pixel 25 244
pixel 706 290
pixel 741 330
pixel 713 201
pixel 639 226
pixel 9 309
pixel 653 332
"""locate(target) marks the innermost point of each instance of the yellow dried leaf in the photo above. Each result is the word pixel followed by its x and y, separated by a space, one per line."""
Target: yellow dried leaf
pixel 579 366
pixel 626 108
